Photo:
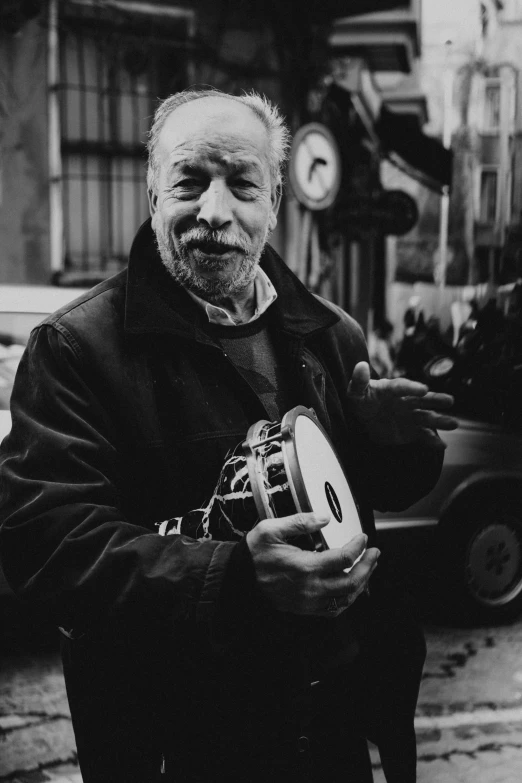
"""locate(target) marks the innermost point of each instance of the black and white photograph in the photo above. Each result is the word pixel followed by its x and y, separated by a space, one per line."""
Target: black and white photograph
pixel 260 391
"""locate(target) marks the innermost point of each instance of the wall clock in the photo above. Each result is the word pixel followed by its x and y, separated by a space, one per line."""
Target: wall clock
pixel 315 166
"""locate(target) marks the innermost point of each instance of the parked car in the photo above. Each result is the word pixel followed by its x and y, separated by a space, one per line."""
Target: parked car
pixel 472 521
pixel 468 530
pixel 22 308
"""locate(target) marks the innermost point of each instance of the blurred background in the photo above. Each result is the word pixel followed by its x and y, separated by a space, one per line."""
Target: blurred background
pixel 413 112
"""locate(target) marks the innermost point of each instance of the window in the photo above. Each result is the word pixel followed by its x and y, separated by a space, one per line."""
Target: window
pixel 492 106
pixel 113 68
pixel 484 19
pixel 488 196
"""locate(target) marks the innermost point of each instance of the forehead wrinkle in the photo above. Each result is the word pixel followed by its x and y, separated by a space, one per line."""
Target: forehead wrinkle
pixel 199 139
pixel 194 160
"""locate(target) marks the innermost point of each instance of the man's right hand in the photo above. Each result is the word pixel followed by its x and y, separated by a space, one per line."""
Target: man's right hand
pixel 303 582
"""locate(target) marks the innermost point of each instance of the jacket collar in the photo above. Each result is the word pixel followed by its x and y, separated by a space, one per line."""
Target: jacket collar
pixel 155 303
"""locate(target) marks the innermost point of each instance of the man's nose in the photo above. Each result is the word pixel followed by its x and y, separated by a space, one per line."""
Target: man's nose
pixel 214 206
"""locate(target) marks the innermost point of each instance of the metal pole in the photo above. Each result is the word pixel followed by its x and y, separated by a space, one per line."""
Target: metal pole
pixel 54 152
pixel 444 204
pixel 443 236
pixel 354 280
pixel 506 129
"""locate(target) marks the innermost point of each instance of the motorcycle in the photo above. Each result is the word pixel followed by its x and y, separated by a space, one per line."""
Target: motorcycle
pixel 483 372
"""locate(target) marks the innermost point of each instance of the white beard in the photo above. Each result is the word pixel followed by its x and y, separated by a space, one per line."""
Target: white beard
pixel 177 263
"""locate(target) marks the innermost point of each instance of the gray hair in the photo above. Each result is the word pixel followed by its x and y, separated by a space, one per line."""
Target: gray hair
pixel 278 133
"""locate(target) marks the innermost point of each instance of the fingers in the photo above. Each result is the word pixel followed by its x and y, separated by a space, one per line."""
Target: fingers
pixel 360 380
pixel 342 582
pixel 432 400
pixel 301 581
pixel 435 421
pixel 347 588
pixel 284 528
pixel 401 387
pixel 335 561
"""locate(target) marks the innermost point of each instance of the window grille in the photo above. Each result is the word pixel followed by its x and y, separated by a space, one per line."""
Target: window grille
pixel 113 68
pixel 488 196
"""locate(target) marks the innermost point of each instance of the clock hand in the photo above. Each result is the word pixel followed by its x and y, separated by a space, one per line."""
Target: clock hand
pixel 316 162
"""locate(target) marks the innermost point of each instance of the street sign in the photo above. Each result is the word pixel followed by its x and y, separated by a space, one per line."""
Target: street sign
pixel 389 211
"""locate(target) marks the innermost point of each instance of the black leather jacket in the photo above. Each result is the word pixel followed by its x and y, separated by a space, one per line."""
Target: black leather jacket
pixel 123 410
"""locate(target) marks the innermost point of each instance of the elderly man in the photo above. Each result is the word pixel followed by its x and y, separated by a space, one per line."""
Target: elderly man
pixel 193 660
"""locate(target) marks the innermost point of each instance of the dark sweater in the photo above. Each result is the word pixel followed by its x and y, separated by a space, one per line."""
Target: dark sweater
pixel 250 348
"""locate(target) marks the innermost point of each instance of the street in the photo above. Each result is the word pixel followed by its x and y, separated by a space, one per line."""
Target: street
pixel 469 717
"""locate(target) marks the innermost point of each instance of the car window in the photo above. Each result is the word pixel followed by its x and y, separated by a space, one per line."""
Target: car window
pixel 10 355
pixel 21 309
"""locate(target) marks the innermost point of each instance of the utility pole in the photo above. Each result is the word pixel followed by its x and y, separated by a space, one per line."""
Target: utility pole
pixel 444 202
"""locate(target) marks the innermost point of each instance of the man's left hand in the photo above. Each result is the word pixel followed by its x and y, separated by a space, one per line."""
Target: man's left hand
pixel 398 411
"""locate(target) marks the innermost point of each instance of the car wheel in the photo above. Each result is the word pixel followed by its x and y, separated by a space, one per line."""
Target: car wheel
pixel 485 549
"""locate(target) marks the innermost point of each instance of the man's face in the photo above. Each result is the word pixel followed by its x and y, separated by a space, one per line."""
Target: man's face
pixel 215 203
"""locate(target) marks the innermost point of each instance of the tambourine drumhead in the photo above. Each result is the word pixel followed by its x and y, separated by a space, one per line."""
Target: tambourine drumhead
pixel 326 486
pixel 319 481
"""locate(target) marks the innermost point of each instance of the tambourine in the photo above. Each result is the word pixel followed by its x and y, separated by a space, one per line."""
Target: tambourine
pixel 295 458
pixel 279 469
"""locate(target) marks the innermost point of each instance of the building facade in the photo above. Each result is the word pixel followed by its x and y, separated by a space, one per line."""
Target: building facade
pixel 470 75
pixel 81 80
pixel 498 169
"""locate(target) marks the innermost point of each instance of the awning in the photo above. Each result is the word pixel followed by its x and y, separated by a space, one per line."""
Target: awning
pixel 422 157
pixel 335 9
pixel 389 40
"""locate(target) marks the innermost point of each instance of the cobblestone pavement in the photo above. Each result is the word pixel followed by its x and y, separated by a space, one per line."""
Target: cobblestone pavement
pixel 469 718
pixel 63 773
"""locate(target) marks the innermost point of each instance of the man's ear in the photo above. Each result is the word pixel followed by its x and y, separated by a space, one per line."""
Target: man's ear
pixel 277 195
pixel 153 201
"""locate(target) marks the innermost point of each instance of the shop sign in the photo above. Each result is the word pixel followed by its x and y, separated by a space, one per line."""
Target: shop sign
pixel 392 212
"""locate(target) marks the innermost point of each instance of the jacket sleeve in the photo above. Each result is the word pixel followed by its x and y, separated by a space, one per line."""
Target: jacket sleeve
pixel 399 476
pixel 64 540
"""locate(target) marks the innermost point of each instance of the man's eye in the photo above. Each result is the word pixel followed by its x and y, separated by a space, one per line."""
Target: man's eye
pixel 187 183
pixel 186 188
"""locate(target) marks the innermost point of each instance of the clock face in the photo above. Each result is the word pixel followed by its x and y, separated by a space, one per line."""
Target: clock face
pixel 315 170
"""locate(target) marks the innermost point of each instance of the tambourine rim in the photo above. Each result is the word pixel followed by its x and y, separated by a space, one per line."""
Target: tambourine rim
pixel 291 460
pixel 251 463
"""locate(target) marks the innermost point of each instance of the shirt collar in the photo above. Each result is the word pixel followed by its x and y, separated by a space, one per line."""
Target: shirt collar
pixel 265 295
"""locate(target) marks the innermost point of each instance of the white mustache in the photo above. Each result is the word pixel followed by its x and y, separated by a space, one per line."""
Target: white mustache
pixel 199 235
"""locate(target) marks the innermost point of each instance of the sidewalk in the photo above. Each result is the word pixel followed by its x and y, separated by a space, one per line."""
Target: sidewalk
pixel 61 774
